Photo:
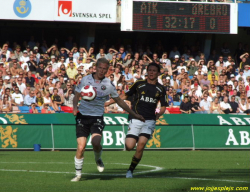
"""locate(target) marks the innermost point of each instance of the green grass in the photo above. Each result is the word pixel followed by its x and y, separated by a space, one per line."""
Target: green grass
pixel 181 170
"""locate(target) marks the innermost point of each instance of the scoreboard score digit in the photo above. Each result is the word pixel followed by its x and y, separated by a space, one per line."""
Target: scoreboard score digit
pixel 186 17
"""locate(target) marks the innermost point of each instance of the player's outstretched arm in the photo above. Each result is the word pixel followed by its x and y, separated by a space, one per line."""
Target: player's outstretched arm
pixel 112 101
pixel 123 105
pixel 75 102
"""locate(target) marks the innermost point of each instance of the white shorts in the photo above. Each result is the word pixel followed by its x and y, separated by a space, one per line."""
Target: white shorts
pixel 138 128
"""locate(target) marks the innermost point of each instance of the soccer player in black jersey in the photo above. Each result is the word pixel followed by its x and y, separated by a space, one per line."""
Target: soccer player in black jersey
pixel 146 93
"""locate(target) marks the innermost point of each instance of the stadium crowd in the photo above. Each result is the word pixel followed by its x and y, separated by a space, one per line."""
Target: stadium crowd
pixel 35 78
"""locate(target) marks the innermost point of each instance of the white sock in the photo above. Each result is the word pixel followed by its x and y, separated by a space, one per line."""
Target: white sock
pixel 98 155
pixel 78 166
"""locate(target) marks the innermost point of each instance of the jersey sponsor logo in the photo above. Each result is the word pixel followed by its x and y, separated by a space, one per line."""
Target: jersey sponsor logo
pixel 65 8
pixel 148 99
pixel 143 93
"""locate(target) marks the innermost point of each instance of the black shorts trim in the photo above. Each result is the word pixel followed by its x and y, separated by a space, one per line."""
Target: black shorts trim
pixel 133 136
pixel 145 135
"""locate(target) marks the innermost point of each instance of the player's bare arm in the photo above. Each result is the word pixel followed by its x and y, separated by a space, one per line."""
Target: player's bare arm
pixel 75 102
pixel 112 101
pixel 162 111
pixel 123 105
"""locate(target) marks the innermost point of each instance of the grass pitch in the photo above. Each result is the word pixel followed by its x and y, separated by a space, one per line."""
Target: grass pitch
pixel 168 171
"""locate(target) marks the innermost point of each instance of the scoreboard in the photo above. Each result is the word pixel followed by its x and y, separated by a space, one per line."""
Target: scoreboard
pixel 186 17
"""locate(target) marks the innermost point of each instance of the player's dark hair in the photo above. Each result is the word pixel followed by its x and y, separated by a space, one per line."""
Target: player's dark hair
pixel 156 65
pixel 101 60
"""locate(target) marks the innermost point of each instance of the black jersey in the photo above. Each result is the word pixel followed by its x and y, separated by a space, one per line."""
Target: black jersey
pixel 146 97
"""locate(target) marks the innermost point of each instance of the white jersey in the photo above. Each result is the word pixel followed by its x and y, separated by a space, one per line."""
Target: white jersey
pixel 104 88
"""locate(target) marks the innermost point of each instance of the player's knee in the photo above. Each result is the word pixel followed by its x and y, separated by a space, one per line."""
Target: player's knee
pixel 80 148
pixel 140 146
pixel 128 147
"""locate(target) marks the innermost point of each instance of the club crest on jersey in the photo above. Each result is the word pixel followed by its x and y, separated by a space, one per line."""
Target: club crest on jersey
pixel 103 87
pixel 157 94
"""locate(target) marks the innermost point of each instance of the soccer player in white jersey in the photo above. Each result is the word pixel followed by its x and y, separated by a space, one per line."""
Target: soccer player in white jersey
pixel 89 119
pixel 146 93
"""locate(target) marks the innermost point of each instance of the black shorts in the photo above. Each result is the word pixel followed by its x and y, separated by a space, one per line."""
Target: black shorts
pixel 88 124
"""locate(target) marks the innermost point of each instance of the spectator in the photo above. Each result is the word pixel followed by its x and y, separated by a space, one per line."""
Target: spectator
pixel 205 104
pixel 185 106
pixel 234 105
pixel 204 81
pixel 165 59
pixel 194 106
pixel 241 74
pixel 192 67
pixel 215 107
pixel 30 98
pixel 57 100
pixel 71 71
pixel 246 71
pixel 39 99
pixel 220 63
pixel 5 104
pixel 7 83
pixel 24 58
pixel 128 76
pixel 17 98
pixel 18 53
pixel 69 98
pixel 248 106
pixel 242 105
pixel 46 109
pixel 101 54
pixel 30 80
pixel 40 71
pixel 174 53
pixel 32 64
pixel 225 106
pixel 33 108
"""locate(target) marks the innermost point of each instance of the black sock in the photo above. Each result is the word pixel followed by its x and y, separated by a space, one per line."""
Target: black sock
pixel 134 163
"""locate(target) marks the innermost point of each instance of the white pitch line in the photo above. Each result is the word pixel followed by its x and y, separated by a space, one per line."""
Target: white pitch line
pixel 189 178
pixel 205 179
pixel 156 168
pixel 141 172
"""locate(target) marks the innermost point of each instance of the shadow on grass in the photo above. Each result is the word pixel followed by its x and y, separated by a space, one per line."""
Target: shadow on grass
pixel 224 174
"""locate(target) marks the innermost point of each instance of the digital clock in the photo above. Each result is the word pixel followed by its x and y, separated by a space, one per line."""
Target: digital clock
pixel 187 17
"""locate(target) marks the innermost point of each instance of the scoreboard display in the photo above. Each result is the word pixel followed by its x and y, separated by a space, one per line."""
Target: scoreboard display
pixel 186 17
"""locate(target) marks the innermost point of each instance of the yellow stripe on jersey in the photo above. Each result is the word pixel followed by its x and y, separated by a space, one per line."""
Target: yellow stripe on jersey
pixel 137 101
pixel 135 83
